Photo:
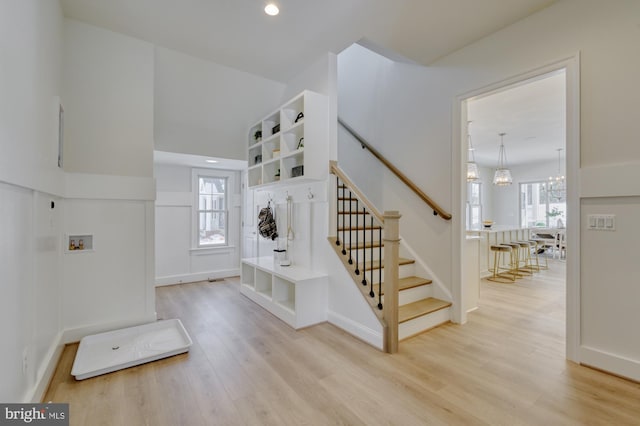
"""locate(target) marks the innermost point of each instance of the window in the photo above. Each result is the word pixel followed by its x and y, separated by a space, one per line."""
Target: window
pixel 474 205
pixel 538 208
pixel 212 211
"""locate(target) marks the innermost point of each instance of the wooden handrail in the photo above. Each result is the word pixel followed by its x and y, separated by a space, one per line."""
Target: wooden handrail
pixel 437 210
pixel 335 170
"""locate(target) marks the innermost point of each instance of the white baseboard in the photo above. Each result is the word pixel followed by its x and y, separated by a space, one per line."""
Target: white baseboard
pixel 72 335
pixel 372 337
pixel 45 373
pixel 200 276
pixel 614 364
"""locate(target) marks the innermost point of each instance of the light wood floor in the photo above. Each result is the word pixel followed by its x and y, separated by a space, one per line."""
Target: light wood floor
pixel 505 367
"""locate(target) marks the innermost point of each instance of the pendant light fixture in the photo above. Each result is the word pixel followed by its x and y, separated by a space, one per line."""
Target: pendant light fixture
pixel 502 176
pixel 473 174
pixel 557 183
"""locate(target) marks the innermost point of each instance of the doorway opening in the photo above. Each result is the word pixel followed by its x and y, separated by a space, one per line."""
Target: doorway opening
pixel 535 117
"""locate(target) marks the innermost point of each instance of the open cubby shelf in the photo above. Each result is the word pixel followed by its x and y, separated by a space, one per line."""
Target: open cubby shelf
pixel 292 144
pixel 296 295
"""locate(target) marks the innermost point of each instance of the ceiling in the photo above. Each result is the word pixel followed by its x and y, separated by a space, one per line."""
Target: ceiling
pixel 533 116
pixel 238 34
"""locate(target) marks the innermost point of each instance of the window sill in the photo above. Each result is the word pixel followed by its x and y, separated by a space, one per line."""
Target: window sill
pixel 203 251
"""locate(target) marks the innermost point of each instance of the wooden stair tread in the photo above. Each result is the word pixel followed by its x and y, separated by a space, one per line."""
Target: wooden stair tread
pixel 378 265
pixel 361 245
pixel 420 308
pixel 410 282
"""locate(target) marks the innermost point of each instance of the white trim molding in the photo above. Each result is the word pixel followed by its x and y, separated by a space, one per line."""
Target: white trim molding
pixel 367 335
pixel 571 65
pixel 615 364
pixel 195 277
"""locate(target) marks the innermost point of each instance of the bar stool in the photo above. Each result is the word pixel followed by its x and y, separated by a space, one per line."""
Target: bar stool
pixel 534 245
pixel 525 252
pixel 497 276
pixel 519 272
pixel 541 244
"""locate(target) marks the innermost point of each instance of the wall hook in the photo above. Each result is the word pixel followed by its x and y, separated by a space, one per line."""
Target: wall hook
pixel 310 194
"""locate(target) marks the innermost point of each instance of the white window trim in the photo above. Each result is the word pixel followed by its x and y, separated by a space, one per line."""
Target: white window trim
pixel 469 205
pixel 196 248
pixel 547 203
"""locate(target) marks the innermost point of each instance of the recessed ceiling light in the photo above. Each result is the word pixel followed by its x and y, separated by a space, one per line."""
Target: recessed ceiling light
pixel 271 9
pixel 211 161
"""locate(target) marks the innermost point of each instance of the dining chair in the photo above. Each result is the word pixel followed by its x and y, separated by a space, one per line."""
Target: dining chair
pixel 560 245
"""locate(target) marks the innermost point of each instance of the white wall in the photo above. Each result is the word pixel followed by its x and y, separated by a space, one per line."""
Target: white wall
pixel 30 31
pixel 108 84
pixel 605 34
pixel 390 105
pixel 17 308
pixel 206 109
pixel 108 287
pixel 108 128
pixel 30 85
pixel 108 97
pixel 177 260
pixel 610 290
pixel 316 77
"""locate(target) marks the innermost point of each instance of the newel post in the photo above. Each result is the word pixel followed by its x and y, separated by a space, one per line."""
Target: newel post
pixel 391 272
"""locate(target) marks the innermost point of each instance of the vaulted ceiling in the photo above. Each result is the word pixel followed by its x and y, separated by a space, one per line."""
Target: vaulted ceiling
pixel 238 34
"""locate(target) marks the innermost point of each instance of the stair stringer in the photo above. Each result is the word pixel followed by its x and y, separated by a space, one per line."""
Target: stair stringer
pixel 440 291
pixel 347 308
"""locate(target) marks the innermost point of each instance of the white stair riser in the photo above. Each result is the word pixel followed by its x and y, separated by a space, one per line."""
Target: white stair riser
pixel 403 272
pixel 414 294
pixel 423 323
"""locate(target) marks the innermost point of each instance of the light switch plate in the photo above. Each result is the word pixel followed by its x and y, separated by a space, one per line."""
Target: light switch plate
pixel 602 222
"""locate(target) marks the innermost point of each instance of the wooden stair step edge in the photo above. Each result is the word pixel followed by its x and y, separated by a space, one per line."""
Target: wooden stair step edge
pixel 410 282
pixel 420 308
pixel 380 265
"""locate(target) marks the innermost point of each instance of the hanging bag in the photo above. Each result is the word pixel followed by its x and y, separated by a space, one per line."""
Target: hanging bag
pixel 267 224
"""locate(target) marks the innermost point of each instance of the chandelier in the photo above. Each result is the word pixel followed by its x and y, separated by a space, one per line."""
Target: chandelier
pixel 502 177
pixel 557 184
pixel 473 174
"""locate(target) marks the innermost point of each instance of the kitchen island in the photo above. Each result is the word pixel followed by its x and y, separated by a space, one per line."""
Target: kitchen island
pixel 497 234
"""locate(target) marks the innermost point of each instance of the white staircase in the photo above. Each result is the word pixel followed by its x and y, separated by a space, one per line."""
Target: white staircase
pixel 358 244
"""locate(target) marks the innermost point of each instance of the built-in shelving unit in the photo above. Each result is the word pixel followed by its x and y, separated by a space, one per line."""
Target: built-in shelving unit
pixel 290 144
pixel 295 294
